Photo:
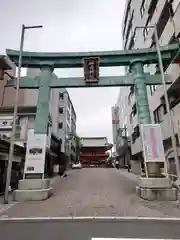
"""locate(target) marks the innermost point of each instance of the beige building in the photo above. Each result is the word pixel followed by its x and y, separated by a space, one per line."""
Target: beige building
pixel 62 113
pixel 166 14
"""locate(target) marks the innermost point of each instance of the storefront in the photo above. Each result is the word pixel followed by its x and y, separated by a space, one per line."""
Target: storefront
pixel 17 164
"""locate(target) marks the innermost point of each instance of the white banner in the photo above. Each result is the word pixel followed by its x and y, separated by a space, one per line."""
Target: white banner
pixel 35 152
pixel 152 143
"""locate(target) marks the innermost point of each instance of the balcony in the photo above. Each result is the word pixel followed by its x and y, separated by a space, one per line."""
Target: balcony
pixel 6 133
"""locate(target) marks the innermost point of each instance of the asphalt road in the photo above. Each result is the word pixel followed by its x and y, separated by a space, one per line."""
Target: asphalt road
pixel 87 229
pixel 93 192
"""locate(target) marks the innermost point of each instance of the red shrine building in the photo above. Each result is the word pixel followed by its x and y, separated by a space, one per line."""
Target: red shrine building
pixel 94 151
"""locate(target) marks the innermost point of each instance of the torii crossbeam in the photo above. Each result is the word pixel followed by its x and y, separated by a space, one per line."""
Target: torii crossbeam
pixel 136 59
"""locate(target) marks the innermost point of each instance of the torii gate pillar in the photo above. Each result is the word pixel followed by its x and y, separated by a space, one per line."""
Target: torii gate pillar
pixel 153 186
pixel 142 105
pixel 42 111
pixel 35 186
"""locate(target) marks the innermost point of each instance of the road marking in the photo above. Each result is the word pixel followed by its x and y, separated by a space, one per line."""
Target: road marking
pixel 84 218
pixel 129 239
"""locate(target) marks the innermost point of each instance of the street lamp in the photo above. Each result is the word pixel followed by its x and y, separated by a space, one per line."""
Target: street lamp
pixel 11 151
pixel 165 95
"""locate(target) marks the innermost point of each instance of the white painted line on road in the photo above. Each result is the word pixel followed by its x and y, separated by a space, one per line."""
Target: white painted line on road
pixel 129 239
pixel 8 207
pixel 86 218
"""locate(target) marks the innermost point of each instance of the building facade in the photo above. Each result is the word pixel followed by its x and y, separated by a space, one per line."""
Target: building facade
pixel 66 123
pixel 165 14
pixel 62 115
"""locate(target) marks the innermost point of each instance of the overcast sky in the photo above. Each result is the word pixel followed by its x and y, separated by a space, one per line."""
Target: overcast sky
pixel 71 25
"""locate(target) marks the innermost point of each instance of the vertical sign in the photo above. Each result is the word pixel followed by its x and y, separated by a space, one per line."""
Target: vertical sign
pixel 115 122
pixel 35 152
pixel 91 69
pixel 152 143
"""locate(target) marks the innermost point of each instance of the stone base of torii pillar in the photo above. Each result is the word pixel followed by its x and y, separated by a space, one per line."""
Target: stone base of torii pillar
pixel 156 186
pixel 156 189
pixel 33 190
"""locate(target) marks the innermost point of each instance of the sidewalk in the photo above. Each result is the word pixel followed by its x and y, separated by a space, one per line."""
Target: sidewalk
pixel 4 207
pixel 135 178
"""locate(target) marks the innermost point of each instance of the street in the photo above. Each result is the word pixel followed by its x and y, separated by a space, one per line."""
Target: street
pixel 86 229
pixel 94 192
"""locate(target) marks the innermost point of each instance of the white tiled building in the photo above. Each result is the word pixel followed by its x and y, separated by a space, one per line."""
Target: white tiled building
pixel 166 15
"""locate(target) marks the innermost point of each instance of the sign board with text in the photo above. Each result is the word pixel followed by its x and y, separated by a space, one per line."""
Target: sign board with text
pixel 91 69
pixel 152 143
pixel 35 152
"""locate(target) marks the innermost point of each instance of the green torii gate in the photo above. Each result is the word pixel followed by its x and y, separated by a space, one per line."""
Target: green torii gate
pixel 136 59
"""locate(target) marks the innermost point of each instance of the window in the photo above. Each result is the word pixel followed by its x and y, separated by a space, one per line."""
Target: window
pixel 129 28
pixel 68 129
pixel 130 118
pixel 152 7
pixel 61 110
pixel 68 116
pixel 146 29
pixel 131 45
pixel 126 17
pixel 154 88
pixel 153 44
pixel 158 114
pixel 136 134
pixel 148 88
pixel 130 94
pixel 174 99
pixel 134 110
pixel 151 90
pixel 60 125
pixel 61 96
pixel 47 129
pixel 142 8
pixel 173 39
pixel 177 140
pixel 166 14
pixel 69 104
pixel 146 32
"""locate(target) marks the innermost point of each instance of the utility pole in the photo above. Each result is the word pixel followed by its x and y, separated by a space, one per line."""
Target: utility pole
pixel 11 151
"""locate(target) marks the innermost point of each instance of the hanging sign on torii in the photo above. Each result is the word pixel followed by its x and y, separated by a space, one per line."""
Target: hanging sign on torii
pixel 91 69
